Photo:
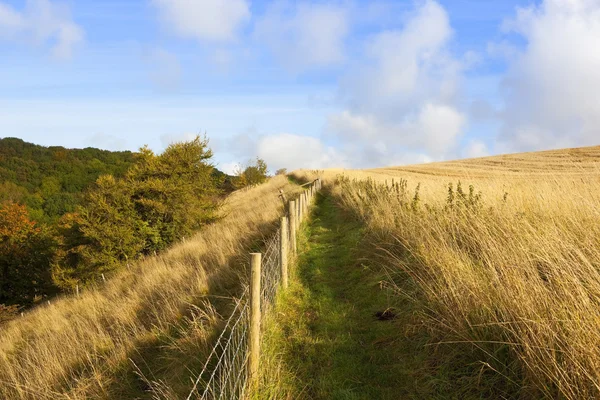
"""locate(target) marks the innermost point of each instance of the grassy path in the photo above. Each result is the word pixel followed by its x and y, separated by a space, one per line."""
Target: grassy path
pixel 325 340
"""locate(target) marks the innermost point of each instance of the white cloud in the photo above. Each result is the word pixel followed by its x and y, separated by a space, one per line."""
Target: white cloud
pixel 204 20
pixel 230 168
pixel 304 35
pixel 475 148
pixel 42 22
pixel 401 101
pixel 286 150
pixel 282 150
pixel 551 90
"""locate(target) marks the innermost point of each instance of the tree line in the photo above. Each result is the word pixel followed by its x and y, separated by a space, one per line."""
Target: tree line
pixel 123 206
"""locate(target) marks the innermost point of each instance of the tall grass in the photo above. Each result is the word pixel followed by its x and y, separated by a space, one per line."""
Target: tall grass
pixel 507 284
pixel 147 328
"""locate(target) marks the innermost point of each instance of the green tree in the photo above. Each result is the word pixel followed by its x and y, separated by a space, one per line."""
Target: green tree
pixel 252 174
pixel 100 235
pixel 161 199
pixel 175 192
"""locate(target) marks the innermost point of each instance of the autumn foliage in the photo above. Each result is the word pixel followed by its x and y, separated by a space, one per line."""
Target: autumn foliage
pixel 25 256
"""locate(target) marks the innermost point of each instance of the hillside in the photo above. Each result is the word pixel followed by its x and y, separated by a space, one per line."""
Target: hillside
pixel 575 161
pixel 50 180
pixel 489 270
pixel 149 325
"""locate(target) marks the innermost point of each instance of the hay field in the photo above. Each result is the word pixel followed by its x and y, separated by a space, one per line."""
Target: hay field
pixel 503 279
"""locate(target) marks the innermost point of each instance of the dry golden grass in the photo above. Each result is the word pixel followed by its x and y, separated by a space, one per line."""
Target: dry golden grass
pixel 507 288
pixel 146 327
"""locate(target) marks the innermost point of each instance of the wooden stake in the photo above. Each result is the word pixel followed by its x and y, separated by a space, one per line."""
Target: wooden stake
pixel 254 353
pixel 283 251
pixel 293 225
pixel 303 205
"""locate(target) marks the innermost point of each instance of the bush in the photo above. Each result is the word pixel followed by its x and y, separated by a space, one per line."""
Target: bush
pixel 253 174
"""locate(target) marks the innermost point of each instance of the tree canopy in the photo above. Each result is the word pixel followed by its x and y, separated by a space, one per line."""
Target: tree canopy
pixel 68 216
pixel 50 180
pixel 161 199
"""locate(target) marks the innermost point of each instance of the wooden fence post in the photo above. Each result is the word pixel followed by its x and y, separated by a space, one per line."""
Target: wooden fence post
pixel 300 210
pixel 254 342
pixel 293 225
pixel 283 251
pixel 304 203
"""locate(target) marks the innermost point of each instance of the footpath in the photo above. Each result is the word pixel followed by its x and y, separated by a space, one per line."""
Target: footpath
pixel 333 334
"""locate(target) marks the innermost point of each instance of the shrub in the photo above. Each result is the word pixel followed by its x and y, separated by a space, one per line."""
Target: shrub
pixel 252 174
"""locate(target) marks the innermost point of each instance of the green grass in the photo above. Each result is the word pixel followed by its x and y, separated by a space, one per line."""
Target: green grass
pixel 323 340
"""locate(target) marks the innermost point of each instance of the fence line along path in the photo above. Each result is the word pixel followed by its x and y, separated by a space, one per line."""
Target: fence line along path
pixel 234 360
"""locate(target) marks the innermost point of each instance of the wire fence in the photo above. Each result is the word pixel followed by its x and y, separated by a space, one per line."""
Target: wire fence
pixel 225 373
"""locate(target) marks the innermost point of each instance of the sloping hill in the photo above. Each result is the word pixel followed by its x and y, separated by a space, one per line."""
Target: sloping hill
pixel 575 161
pixel 49 180
pixel 151 325
pixel 493 265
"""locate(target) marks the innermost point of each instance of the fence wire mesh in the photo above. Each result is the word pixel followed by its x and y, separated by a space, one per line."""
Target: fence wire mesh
pixel 225 372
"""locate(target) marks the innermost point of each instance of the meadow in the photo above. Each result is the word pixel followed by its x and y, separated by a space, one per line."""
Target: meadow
pixel 499 259
pixel 144 332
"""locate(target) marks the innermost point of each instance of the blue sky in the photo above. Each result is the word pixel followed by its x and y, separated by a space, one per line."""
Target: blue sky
pixel 310 84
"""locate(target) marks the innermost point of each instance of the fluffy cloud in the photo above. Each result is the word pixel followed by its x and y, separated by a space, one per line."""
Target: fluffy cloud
pixel 283 150
pixel 205 20
pixel 475 148
pixel 291 151
pixel 551 89
pixel 402 100
pixel 42 22
pixel 304 35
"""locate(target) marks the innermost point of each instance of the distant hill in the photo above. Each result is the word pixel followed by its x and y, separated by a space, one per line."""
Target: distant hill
pixel 50 180
pixel 571 161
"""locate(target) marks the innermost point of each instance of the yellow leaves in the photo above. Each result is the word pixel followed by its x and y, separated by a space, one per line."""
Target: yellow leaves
pixel 15 224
